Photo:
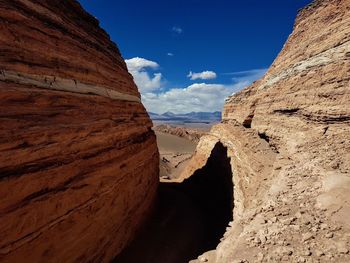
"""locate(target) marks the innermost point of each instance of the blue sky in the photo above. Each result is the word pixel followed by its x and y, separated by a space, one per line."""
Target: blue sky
pixel 225 44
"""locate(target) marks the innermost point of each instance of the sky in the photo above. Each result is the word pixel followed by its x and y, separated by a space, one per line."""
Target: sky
pixel 189 55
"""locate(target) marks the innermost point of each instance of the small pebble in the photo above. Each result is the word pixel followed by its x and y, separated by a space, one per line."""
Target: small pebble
pixel 307 236
pixel 319 253
pixel 329 235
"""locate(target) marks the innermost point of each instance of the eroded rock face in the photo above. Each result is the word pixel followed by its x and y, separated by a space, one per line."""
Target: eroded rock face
pixel 288 136
pixel 183 132
pixel 78 158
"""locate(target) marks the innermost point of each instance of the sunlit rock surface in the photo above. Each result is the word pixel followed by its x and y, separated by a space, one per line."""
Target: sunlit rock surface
pixel 78 158
pixel 288 136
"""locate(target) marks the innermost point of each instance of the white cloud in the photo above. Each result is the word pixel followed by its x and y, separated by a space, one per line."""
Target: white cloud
pixel 170 54
pixel 196 97
pixel 247 77
pixel 177 30
pixel 202 75
pixel 145 81
pixel 137 63
pixel 200 96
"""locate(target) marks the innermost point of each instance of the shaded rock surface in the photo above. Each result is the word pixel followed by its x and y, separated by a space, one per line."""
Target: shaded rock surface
pixel 288 136
pixel 190 217
pixel 78 158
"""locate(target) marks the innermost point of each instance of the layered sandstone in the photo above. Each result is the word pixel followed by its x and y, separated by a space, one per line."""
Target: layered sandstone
pixel 78 158
pixel 288 137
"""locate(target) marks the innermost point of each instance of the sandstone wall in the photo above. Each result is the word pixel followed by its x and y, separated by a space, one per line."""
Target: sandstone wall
pixel 288 136
pixel 78 158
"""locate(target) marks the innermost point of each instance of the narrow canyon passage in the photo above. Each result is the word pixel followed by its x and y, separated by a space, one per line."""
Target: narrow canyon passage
pixel 190 217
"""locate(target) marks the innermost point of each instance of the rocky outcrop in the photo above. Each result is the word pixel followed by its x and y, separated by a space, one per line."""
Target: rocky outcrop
pixel 78 158
pixel 288 137
pixel 183 132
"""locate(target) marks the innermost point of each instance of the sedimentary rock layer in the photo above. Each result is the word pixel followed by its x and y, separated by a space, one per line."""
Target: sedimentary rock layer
pixel 78 158
pixel 188 133
pixel 288 136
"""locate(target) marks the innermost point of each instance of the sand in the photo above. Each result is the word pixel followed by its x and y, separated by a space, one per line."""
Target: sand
pixel 174 144
pixel 175 152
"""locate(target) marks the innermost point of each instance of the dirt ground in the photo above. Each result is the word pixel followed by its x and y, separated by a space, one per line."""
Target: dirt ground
pixel 175 152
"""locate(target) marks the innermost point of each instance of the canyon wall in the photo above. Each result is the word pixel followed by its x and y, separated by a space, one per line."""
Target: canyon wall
pixel 288 137
pixel 78 158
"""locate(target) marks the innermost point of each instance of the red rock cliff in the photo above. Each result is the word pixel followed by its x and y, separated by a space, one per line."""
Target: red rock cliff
pixel 288 137
pixel 78 159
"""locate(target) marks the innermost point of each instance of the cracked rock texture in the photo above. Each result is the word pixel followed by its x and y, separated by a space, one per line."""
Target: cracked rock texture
pixel 288 137
pixel 78 158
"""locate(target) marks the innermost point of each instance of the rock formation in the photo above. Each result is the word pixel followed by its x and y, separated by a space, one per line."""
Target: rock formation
pixel 78 158
pixel 288 137
pixel 183 132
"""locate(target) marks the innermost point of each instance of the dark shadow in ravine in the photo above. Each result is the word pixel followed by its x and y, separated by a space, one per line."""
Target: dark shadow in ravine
pixel 190 217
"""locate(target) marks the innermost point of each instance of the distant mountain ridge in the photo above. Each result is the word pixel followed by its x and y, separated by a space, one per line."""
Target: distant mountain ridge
pixel 187 117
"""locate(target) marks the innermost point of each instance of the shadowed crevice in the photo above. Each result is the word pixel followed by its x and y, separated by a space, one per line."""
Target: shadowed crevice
pixel 190 217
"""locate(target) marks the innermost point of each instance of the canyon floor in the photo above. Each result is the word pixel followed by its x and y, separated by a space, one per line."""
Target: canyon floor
pixel 176 144
pixel 179 231
pixel 175 152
